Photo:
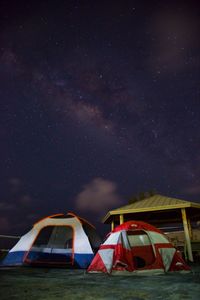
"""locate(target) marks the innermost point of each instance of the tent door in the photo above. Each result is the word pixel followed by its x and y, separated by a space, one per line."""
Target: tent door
pixel 141 247
pixel 53 245
pixel 62 245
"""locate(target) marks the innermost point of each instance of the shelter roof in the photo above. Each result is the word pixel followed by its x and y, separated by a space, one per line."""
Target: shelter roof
pixel 154 203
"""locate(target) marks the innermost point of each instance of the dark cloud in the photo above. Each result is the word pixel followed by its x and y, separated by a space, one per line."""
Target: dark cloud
pixel 15 206
pixel 7 206
pixel 25 200
pixel 15 185
pixel 5 224
pixel 193 190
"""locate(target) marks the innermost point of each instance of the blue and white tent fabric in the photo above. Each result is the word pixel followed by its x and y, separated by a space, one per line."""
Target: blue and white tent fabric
pixel 61 240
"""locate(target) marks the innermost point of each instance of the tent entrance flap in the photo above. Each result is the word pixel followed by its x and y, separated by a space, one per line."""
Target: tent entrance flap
pixel 141 248
pixel 53 245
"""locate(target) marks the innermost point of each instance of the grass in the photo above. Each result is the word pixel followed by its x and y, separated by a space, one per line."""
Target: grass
pixel 39 283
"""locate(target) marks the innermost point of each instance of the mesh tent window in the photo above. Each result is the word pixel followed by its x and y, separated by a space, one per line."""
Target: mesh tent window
pixel 60 237
pixel 53 245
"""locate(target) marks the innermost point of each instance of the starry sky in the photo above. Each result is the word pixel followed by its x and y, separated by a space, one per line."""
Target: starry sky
pixel 100 100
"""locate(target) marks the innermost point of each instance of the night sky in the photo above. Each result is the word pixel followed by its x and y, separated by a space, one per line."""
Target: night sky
pixel 100 100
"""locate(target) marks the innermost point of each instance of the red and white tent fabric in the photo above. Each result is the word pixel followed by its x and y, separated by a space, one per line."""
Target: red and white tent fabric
pixel 137 247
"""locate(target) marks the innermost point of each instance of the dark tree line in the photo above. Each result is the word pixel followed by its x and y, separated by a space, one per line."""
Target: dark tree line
pixel 141 196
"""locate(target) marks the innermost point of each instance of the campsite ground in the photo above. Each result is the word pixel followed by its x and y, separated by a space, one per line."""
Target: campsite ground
pixel 33 283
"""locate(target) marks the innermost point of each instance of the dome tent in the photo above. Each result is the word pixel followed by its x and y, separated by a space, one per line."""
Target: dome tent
pixel 136 247
pixel 57 240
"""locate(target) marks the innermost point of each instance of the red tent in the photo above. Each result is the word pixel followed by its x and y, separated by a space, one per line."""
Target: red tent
pixel 137 247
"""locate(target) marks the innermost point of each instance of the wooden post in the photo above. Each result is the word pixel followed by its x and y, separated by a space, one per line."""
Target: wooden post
pixel 190 228
pixel 121 219
pixel 187 234
pixel 112 225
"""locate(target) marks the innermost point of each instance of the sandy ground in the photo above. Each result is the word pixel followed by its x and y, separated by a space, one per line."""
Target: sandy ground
pixel 33 283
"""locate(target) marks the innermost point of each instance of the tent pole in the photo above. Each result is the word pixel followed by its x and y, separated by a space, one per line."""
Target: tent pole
pixel 187 234
pixel 121 219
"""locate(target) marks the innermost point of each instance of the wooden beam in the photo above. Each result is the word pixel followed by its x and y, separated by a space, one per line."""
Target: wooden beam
pixel 161 221
pixel 121 219
pixel 187 234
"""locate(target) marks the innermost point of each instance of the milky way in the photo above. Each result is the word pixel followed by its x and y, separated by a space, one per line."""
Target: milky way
pixel 99 101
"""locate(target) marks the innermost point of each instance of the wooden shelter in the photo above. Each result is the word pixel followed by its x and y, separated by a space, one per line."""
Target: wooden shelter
pixel 160 211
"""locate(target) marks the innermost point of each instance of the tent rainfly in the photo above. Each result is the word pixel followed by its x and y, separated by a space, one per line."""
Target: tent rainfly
pixel 136 247
pixel 61 240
